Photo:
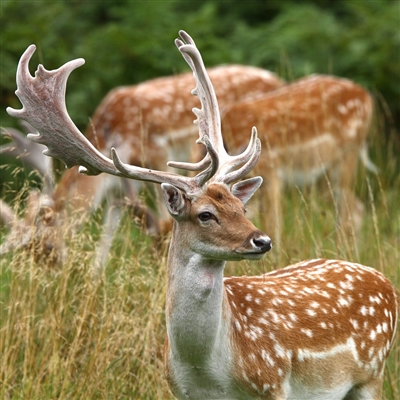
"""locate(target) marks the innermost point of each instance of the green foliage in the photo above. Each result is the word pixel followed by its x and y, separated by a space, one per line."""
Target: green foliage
pixel 66 336
pixel 360 41
pixel 126 42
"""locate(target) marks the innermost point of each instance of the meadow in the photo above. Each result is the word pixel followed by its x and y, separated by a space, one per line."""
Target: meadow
pixel 66 333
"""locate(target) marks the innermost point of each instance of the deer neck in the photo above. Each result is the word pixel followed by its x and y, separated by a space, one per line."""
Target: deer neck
pixel 196 305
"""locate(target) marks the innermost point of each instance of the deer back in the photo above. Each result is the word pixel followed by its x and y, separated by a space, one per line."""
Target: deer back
pixel 301 125
pixel 155 118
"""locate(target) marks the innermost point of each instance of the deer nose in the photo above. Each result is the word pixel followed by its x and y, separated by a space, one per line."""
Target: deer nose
pixel 263 244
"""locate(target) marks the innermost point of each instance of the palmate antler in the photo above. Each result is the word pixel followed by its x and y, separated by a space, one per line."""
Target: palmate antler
pixel 209 122
pixel 43 100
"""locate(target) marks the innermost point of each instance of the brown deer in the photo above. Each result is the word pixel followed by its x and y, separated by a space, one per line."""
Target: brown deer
pixel 314 127
pixel 153 121
pixel 319 329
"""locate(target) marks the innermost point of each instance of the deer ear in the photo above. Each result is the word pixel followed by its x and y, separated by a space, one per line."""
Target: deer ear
pixel 173 199
pixel 243 190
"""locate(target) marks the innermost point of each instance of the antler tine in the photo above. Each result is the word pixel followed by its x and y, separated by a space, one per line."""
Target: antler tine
pixel 252 154
pixel 208 118
pixel 204 163
pixel 250 151
pixel 209 122
pixel 43 101
pixel 43 106
pixel 188 184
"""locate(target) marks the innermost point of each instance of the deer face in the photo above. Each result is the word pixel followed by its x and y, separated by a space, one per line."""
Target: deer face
pixel 202 204
pixel 213 223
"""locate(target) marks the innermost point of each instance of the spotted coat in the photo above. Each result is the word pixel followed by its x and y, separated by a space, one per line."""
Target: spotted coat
pixel 316 321
pixel 313 128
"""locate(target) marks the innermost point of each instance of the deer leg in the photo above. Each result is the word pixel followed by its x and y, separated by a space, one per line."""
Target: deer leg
pixel 146 217
pixel 110 223
pixel 112 218
pixel 270 207
pixel 7 215
pixel 350 208
pixel 14 224
pixel 351 211
pixel 110 191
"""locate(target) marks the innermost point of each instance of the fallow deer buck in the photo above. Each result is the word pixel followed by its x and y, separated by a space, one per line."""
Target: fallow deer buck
pixel 154 122
pixel 316 126
pixel 319 329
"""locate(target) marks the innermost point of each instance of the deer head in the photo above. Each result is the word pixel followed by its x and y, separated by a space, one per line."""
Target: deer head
pixel 245 337
pixel 43 99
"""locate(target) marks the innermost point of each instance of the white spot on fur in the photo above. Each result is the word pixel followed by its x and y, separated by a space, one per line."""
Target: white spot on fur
pixel 364 310
pixel 307 332
pixel 371 310
pixel 354 323
pixel 267 358
pixel 293 317
pixel 238 326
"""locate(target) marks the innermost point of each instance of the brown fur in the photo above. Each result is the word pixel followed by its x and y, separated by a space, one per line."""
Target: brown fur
pixel 317 122
pixel 311 307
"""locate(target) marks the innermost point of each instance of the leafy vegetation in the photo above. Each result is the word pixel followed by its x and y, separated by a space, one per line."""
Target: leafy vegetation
pixel 126 42
pixel 67 334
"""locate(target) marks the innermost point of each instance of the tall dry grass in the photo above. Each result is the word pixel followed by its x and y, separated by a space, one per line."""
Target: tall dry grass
pixel 67 333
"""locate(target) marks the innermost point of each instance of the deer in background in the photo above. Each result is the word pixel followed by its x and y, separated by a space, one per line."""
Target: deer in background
pixel 38 230
pixel 319 329
pixel 153 122
pixel 314 127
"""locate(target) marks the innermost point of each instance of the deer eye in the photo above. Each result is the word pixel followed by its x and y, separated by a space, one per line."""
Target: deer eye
pixel 205 216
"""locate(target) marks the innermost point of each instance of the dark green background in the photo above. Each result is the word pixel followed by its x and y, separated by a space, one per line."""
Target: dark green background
pixel 125 42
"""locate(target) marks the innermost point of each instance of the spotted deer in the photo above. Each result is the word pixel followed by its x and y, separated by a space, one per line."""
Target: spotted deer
pixel 319 329
pixel 314 127
pixel 153 121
